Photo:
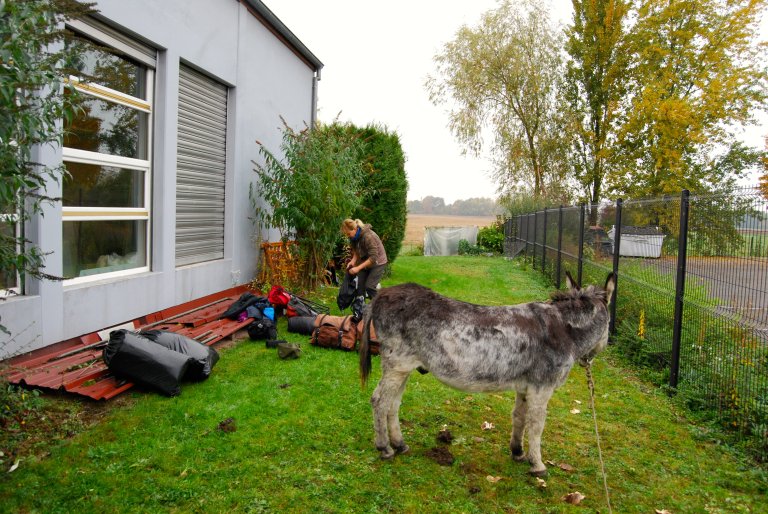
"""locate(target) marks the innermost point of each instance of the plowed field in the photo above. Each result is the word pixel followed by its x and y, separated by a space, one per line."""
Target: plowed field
pixel 414 228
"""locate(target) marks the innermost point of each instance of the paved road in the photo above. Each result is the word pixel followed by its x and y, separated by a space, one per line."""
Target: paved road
pixel 740 284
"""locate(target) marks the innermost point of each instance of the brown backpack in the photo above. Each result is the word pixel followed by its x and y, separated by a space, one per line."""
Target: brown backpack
pixel 334 332
pixel 373 342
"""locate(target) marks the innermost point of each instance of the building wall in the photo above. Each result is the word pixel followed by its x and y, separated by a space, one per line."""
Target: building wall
pixel 267 80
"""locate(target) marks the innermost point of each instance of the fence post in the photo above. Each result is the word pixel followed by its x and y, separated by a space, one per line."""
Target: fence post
pixel 559 246
pixel 544 245
pixel 580 263
pixel 682 255
pixel 617 245
pixel 535 223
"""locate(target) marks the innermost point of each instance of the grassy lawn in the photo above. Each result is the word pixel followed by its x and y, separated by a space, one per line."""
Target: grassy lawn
pixel 301 439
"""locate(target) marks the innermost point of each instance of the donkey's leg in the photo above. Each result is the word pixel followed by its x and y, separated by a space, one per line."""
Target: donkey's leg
pixel 383 400
pixel 393 419
pixel 537 415
pixel 518 426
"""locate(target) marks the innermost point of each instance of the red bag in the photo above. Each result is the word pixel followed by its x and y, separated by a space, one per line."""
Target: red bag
pixel 278 296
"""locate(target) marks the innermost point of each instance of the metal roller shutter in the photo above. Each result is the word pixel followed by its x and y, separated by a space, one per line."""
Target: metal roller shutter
pixel 200 168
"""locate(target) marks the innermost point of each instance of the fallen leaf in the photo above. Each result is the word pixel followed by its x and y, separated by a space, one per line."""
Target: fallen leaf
pixel 577 402
pixel 487 426
pixel 15 465
pixel 565 467
pixel 575 411
pixel 541 484
pixel 183 473
pixel 549 463
pixel 492 479
pixel 662 511
pixel 573 498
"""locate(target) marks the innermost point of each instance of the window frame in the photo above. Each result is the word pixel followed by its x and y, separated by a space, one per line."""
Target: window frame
pixel 17 289
pixel 102 35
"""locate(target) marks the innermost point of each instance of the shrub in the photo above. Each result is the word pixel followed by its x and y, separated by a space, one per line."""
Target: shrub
pixel 465 248
pixel 308 193
pixel 384 186
pixel 491 238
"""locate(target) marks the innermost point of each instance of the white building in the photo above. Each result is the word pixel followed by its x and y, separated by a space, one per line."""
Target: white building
pixel 156 212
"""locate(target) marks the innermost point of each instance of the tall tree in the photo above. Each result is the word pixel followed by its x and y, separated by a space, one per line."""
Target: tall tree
pixel 594 85
pixel 697 71
pixel 502 76
pixel 32 106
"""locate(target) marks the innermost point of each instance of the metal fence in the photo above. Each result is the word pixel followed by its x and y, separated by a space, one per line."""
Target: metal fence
pixel 692 294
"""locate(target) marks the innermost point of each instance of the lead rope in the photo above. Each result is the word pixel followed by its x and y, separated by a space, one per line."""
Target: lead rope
pixel 591 385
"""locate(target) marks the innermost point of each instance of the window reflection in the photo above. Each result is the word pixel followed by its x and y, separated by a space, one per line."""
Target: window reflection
pixel 91 185
pixel 107 67
pixel 8 240
pixel 107 127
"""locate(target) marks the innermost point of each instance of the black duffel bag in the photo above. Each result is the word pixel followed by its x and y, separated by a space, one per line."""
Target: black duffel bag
pixel 303 325
pixel 203 357
pixel 143 361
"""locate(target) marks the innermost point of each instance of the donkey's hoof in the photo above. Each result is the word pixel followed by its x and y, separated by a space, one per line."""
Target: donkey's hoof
pixel 387 454
pixel 403 449
pixel 542 473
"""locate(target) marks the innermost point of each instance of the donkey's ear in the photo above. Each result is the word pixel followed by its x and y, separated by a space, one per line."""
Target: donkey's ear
pixel 570 282
pixel 610 285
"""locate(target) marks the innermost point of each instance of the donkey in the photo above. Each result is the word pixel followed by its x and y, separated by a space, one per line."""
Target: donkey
pixel 530 348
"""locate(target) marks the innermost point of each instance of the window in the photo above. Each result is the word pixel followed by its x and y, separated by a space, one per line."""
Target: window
pixel 107 154
pixel 10 234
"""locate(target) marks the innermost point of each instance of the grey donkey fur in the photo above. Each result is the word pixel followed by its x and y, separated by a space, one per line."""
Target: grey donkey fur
pixel 530 348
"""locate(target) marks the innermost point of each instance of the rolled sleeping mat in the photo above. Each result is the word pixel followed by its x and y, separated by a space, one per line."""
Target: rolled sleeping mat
pixel 301 325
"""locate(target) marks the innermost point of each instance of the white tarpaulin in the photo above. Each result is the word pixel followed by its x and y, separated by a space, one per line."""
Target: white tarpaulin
pixel 445 240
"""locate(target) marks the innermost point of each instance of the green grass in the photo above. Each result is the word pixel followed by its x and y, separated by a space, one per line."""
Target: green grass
pixel 304 438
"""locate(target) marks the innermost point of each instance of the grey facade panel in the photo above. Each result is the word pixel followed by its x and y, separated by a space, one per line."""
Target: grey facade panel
pixel 201 166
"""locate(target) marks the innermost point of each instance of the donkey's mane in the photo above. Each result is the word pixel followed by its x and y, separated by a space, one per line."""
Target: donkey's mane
pixel 590 293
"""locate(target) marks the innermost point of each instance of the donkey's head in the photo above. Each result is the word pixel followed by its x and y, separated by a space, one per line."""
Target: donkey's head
pixel 588 310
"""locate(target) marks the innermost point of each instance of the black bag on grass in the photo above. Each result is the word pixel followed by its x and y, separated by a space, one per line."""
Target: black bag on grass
pixel 202 357
pixel 145 362
pixel 303 325
pixel 262 329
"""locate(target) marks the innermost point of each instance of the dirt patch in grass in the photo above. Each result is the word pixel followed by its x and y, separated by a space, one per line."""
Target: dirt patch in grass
pixel 441 455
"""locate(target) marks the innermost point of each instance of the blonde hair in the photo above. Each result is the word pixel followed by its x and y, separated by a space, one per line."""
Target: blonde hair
pixel 350 224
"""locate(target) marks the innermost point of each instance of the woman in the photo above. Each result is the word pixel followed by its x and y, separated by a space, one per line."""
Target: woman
pixel 368 262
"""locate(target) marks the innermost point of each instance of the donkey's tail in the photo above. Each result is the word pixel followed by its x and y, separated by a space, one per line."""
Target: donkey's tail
pixel 364 349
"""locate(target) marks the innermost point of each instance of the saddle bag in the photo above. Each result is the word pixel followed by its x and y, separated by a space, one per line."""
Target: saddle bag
pixel 334 332
pixel 373 341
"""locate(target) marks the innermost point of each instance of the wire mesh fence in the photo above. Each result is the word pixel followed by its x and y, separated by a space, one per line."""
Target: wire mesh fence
pixel 692 295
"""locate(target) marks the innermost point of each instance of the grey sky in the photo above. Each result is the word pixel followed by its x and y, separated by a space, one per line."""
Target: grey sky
pixel 377 56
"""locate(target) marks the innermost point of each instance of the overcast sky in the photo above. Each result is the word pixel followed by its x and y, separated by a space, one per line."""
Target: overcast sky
pixel 376 58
